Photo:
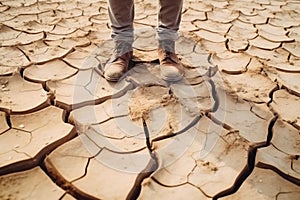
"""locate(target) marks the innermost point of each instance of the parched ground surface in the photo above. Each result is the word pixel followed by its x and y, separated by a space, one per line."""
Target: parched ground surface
pixel 229 130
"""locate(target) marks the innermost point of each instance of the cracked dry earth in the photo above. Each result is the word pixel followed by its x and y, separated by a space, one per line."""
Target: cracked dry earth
pixel 229 130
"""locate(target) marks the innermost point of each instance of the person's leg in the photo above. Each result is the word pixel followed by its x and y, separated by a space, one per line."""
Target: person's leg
pixel 121 16
pixel 169 18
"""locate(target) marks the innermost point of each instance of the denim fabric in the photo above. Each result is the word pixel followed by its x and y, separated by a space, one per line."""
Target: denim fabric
pixel 121 15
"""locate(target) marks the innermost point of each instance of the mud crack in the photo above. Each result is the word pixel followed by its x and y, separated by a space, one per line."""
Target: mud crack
pixel 249 167
pixel 55 176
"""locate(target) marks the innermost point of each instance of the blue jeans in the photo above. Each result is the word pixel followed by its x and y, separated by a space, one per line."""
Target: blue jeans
pixel 121 15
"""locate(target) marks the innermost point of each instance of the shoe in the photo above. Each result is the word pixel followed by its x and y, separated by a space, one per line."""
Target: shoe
pixel 171 69
pixel 118 64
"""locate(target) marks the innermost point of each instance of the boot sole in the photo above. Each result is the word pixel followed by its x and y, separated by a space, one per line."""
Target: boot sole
pixel 168 79
pixel 111 79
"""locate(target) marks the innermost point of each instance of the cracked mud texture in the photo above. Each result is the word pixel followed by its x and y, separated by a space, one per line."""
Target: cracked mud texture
pixel 229 130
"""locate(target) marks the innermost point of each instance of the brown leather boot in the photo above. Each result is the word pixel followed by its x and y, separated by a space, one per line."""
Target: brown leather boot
pixel 118 64
pixel 170 67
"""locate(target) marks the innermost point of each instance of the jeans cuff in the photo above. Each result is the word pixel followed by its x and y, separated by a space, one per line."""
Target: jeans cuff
pixel 125 36
pixel 166 34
